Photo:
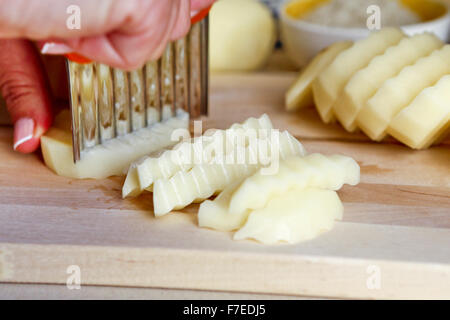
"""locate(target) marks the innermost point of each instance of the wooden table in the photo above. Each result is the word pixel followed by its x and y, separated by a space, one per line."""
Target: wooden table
pixel 396 226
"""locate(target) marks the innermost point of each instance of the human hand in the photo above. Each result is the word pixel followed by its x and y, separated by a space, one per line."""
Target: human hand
pixel 121 33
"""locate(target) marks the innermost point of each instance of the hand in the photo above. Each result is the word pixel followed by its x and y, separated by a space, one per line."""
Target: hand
pixel 120 33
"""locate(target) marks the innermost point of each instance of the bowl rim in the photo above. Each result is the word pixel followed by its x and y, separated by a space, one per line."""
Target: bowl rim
pixel 319 28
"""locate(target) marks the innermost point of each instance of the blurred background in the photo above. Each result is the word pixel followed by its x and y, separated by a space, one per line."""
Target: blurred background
pixel 283 35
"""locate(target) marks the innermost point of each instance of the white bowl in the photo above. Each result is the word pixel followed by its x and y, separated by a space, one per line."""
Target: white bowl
pixel 303 40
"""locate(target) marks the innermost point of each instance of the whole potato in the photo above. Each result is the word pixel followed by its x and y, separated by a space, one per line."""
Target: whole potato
pixel 242 35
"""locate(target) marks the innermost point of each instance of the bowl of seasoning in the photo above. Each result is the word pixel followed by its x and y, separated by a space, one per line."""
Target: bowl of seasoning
pixel 308 26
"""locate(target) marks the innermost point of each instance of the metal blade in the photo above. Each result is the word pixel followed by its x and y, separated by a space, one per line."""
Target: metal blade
pixel 105 102
pixel 121 102
pixel 74 89
pixel 89 107
pixel 153 89
pixel 168 83
pixel 137 99
pixel 108 102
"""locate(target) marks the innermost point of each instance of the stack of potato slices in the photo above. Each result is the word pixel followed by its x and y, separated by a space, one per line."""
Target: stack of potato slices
pixel 385 84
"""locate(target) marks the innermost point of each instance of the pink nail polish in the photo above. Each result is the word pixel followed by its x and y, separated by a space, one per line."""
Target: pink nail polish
pixel 55 48
pixel 23 131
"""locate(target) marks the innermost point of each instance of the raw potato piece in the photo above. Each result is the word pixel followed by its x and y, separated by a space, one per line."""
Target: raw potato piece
pixel 185 155
pixel 426 119
pixel 242 35
pixel 203 180
pixel 328 86
pixel 130 187
pixel 314 170
pixel 111 158
pixel 230 209
pixel 298 215
pixel 366 82
pixel 300 94
pixel 215 214
pixel 203 149
pixel 396 93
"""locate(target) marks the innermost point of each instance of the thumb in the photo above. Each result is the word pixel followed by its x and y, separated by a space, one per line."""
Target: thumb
pixel 24 86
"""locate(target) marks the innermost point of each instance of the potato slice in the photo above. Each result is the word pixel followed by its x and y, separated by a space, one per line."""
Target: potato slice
pixel 111 158
pixel 230 209
pixel 131 187
pixel 314 170
pixel 215 213
pixel 367 81
pixel 330 83
pixel 426 119
pixel 300 94
pixel 297 215
pixel 203 180
pixel 186 154
pixel 398 92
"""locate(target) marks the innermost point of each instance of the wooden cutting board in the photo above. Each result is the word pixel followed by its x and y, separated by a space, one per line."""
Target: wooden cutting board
pixel 394 241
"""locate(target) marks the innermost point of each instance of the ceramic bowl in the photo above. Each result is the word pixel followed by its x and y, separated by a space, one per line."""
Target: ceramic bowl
pixel 303 40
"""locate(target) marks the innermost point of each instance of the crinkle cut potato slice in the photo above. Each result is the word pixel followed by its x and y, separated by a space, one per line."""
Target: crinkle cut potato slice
pixel 330 83
pixel 230 209
pixel 206 179
pixel 398 92
pixel 367 81
pixel 314 170
pixel 111 158
pixel 426 119
pixel 300 93
pixel 297 215
pixel 182 157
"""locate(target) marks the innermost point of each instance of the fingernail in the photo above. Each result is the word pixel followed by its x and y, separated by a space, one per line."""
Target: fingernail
pixel 55 48
pixel 23 131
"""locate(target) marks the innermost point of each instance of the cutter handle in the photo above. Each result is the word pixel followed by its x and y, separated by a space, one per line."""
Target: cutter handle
pixel 78 58
pixel 199 16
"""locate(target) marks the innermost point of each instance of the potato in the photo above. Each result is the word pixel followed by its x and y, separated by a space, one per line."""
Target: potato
pixel 183 156
pixel 206 179
pixel 314 170
pixel 398 92
pixel 231 208
pixel 242 35
pixel 297 215
pixel 215 214
pixel 330 83
pixel 426 119
pixel 373 84
pixel 300 94
pixel 366 81
pixel 109 159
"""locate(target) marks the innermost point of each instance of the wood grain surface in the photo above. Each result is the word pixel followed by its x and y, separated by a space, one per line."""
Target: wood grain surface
pixel 397 221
